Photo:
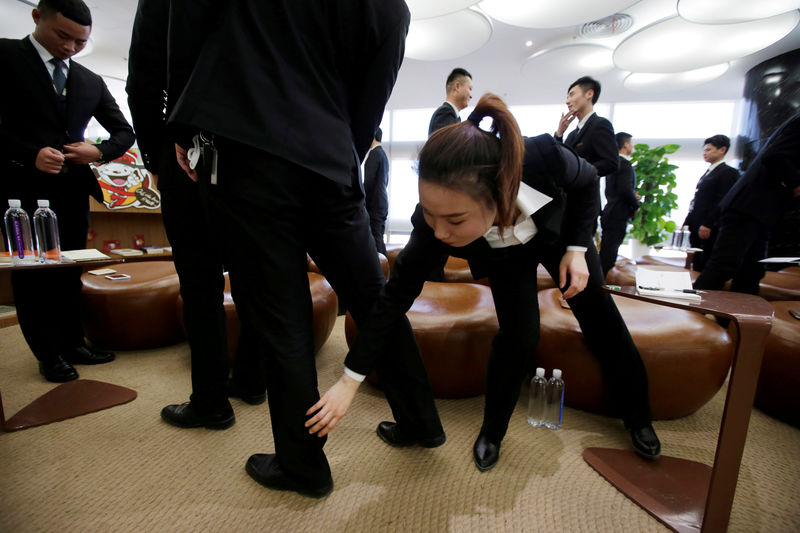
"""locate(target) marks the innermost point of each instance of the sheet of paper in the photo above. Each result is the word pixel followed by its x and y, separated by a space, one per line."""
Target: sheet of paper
pixel 102 271
pixel 89 254
pixel 665 282
pixel 780 260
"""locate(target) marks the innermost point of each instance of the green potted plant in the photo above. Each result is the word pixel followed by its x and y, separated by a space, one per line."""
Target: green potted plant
pixel 655 181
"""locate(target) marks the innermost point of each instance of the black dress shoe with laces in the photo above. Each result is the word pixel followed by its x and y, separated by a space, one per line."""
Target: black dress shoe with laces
pixel 646 443
pixel 235 390
pixel 87 356
pixel 485 453
pixel 265 469
pixel 186 415
pixel 392 435
pixel 57 370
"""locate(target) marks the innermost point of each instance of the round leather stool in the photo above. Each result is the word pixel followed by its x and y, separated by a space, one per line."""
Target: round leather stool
pixel 624 272
pixel 454 324
pixel 324 303
pixel 136 313
pixel 779 380
pixel 687 355
pixel 780 286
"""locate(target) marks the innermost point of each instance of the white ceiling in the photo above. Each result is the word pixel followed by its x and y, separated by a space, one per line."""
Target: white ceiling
pixel 497 67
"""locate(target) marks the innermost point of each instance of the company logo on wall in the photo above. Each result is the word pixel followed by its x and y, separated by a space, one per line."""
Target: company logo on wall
pixel 126 183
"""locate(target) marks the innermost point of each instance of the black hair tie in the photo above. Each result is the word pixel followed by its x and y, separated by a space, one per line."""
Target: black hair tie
pixel 475 118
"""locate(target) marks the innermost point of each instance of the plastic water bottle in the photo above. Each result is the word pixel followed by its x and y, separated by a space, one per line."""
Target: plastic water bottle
pixel 18 234
pixel 45 225
pixel 685 238
pixel 536 400
pixel 554 409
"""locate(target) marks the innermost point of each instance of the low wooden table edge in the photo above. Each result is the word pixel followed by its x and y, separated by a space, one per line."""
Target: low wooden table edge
pixel 686 495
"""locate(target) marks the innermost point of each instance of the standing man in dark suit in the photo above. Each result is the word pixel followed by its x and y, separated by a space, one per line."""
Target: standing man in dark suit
pixel 46 101
pixel 459 93
pixel 704 211
pixel 752 206
pixel 189 230
pixel 279 147
pixel 376 178
pixel 621 203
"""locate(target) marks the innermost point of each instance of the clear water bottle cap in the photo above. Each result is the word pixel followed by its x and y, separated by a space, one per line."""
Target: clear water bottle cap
pixel 540 372
pixel 43 203
pixel 14 203
pixel 557 373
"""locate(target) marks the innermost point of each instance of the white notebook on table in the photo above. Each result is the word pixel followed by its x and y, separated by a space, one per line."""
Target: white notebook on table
pixel 665 282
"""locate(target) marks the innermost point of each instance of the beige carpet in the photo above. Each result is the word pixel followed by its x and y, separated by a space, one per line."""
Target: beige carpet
pixel 123 469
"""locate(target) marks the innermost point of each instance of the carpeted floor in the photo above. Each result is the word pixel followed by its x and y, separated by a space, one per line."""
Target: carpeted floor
pixel 123 469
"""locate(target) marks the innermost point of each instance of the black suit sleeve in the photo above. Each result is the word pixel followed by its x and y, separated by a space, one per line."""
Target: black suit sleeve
pixel 605 148
pixel 109 116
pixel 147 79
pixel 582 187
pixel 442 117
pixel 626 185
pixel 722 184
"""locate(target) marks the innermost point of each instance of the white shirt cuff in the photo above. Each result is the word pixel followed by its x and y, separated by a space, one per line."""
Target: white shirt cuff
pixel 354 375
pixel 576 249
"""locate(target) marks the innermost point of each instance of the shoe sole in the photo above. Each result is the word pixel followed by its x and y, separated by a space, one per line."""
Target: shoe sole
pixel 308 493
pixel 483 468
pixel 224 424
pixel 252 400
pixel 425 443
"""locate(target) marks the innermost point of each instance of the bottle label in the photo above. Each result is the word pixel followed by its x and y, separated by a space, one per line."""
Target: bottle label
pixel 561 408
pixel 18 238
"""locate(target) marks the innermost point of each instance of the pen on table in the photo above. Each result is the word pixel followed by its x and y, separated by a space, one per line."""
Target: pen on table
pixel 688 291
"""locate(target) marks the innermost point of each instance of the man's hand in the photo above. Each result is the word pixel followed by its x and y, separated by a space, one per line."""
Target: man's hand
pixel 563 124
pixel 704 232
pixel 49 160
pixel 82 153
pixel 574 264
pixel 332 406
pixel 183 161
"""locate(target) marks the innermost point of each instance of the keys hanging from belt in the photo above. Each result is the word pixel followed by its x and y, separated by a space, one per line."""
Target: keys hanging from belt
pixel 204 147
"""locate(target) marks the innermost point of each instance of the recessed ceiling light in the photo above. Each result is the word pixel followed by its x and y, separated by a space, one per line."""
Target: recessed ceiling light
pixel 551 13
pixel 423 9
pixel 448 36
pixel 528 43
pixel 676 45
pixel 727 11
pixel 646 82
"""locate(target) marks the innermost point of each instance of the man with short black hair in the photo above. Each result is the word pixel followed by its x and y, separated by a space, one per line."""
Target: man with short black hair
pixel 704 212
pixel 46 102
pixel 621 203
pixel 459 93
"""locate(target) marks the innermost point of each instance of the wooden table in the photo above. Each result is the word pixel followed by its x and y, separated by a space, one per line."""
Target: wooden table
pixel 687 495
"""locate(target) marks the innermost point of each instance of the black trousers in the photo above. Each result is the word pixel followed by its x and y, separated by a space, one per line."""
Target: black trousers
pixel 513 281
pixel 269 212
pixel 614 230
pixel 741 243
pixel 700 259
pixel 199 265
pixel 49 302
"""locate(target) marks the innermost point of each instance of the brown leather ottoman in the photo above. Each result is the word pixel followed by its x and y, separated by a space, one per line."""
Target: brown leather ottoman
pixel 624 272
pixel 324 303
pixel 781 285
pixel 778 392
pixel 136 313
pixel 454 324
pixel 687 355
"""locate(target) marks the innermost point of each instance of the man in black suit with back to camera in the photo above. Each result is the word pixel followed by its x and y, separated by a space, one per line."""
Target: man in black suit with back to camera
pixel 46 102
pixel 704 211
pixel 279 111
pixel 376 178
pixel 621 203
pixel 459 93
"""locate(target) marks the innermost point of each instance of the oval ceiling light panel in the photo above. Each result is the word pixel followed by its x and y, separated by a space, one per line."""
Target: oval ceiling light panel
pixel 569 62
pixel 449 36
pixel 551 13
pixel 645 82
pixel 676 45
pixel 424 9
pixel 729 11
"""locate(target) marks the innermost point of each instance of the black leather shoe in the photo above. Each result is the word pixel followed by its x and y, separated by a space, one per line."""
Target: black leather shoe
pixel 646 443
pixel 264 468
pixel 393 436
pixel 235 390
pixel 186 415
pixel 86 356
pixel 57 370
pixel 485 453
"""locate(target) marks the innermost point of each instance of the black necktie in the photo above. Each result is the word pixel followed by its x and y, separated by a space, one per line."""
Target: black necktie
pixel 59 78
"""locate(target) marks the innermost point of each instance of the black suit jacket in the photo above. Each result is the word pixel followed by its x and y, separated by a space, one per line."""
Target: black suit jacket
pixel 443 116
pixel 376 178
pixel 595 143
pixel 621 200
pixel 268 77
pixel 550 168
pixel 708 195
pixel 32 117
pixel 765 190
